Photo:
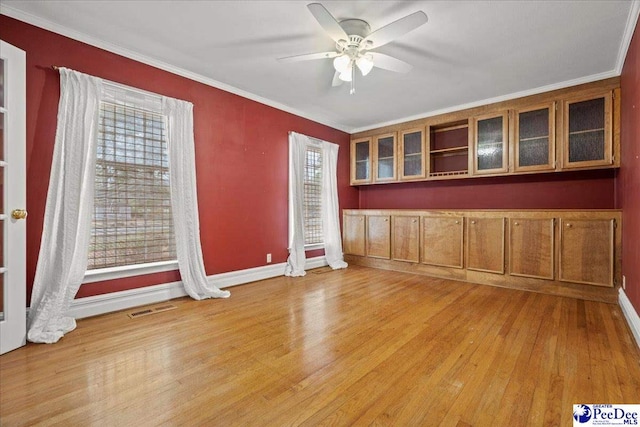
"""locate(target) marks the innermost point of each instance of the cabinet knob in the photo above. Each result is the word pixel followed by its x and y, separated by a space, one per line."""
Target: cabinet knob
pixel 414 221
pixel 386 219
pixel 457 222
pixel 360 219
pixel 516 223
pixel 473 222
pixel 569 225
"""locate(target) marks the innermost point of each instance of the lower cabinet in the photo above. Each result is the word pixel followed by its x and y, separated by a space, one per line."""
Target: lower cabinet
pixel 378 240
pixel 587 251
pixel 485 244
pixel 442 240
pixel 531 247
pixel 534 250
pixel 405 238
pixel 353 234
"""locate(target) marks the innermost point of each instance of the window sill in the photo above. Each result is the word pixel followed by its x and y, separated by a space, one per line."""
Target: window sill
pixel 314 247
pixel 111 273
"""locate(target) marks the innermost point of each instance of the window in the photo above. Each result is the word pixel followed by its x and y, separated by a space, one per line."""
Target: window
pixel 312 196
pixel 132 222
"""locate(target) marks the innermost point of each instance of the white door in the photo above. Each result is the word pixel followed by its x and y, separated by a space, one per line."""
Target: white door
pixel 13 198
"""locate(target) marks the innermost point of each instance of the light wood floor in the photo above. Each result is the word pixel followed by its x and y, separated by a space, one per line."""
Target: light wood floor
pixel 352 347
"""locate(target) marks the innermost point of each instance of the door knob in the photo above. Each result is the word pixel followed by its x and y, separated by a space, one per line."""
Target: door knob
pixel 18 214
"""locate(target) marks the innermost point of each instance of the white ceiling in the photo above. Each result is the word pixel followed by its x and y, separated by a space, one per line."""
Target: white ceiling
pixel 470 52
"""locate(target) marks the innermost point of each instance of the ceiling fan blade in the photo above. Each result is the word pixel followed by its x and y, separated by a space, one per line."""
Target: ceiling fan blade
pixel 394 30
pixel 390 63
pixel 308 57
pixel 336 79
pixel 328 22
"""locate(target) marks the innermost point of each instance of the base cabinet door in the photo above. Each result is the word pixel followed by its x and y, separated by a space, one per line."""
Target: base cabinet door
pixel 485 244
pixel 442 241
pixel 354 232
pixel 587 251
pixel 378 239
pixel 405 238
pixel 531 247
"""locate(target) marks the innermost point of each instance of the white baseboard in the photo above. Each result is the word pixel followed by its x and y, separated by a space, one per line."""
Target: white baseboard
pixel 630 314
pixel 106 303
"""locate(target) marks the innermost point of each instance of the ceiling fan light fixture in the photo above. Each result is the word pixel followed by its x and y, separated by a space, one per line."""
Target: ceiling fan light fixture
pixel 365 64
pixel 342 63
pixel 346 75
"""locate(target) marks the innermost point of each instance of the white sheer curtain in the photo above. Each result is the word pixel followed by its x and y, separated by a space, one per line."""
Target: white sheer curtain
pixel 329 199
pixel 297 151
pixel 67 223
pixel 330 217
pixel 184 200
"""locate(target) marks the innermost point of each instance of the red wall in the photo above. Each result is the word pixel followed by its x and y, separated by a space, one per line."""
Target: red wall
pixel 628 182
pixel 563 190
pixel 241 154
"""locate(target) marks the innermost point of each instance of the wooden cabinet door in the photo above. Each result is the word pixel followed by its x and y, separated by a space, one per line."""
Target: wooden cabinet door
pixel 361 161
pixel 384 155
pixel 354 231
pixel 534 138
pixel 586 251
pixel 412 154
pixel 485 244
pixel 378 236
pixel 587 132
pixel 490 142
pixel 405 238
pixel 531 248
pixel 442 238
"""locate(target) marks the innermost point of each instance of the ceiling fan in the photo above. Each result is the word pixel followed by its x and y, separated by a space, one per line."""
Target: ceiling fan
pixel 354 42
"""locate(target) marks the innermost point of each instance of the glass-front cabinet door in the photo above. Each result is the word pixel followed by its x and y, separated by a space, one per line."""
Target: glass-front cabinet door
pixel 587 131
pixel 412 154
pixel 490 143
pixel 535 138
pixel 361 161
pixel 384 154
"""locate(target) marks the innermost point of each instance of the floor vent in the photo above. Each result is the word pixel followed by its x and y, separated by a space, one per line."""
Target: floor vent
pixel 150 310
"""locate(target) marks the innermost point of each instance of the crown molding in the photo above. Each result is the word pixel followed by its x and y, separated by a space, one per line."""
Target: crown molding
pixel 629 29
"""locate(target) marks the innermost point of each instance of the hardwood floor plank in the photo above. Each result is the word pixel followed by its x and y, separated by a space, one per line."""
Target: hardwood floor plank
pixel 350 347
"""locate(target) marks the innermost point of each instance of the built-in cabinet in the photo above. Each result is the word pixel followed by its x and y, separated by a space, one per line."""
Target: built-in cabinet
pixel 569 129
pixel 567 252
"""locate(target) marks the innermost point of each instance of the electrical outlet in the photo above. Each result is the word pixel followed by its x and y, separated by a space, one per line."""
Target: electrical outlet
pixel 624 283
pixel 268 258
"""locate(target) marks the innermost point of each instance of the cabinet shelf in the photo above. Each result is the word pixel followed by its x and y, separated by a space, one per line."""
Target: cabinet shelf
pixel 542 138
pixel 450 150
pixel 580 132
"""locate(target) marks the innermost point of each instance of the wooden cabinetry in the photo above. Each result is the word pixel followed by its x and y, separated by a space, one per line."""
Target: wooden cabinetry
pixel 563 130
pixel 490 143
pixel 361 160
pixel 531 247
pixel 449 149
pixel 587 251
pixel 353 240
pixel 573 253
pixel 534 138
pixel 412 154
pixel 384 157
pixel 378 236
pixel 405 238
pixel 442 240
pixel 588 131
pixel 485 244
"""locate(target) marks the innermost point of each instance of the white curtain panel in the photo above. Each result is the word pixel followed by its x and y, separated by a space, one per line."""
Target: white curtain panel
pixel 67 223
pixel 329 199
pixel 297 152
pixel 330 217
pixel 184 200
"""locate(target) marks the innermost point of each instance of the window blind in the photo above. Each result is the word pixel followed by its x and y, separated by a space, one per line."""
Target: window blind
pixel 132 222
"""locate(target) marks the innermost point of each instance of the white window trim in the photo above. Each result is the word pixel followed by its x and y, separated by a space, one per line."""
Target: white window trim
pixel 314 246
pixel 100 274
